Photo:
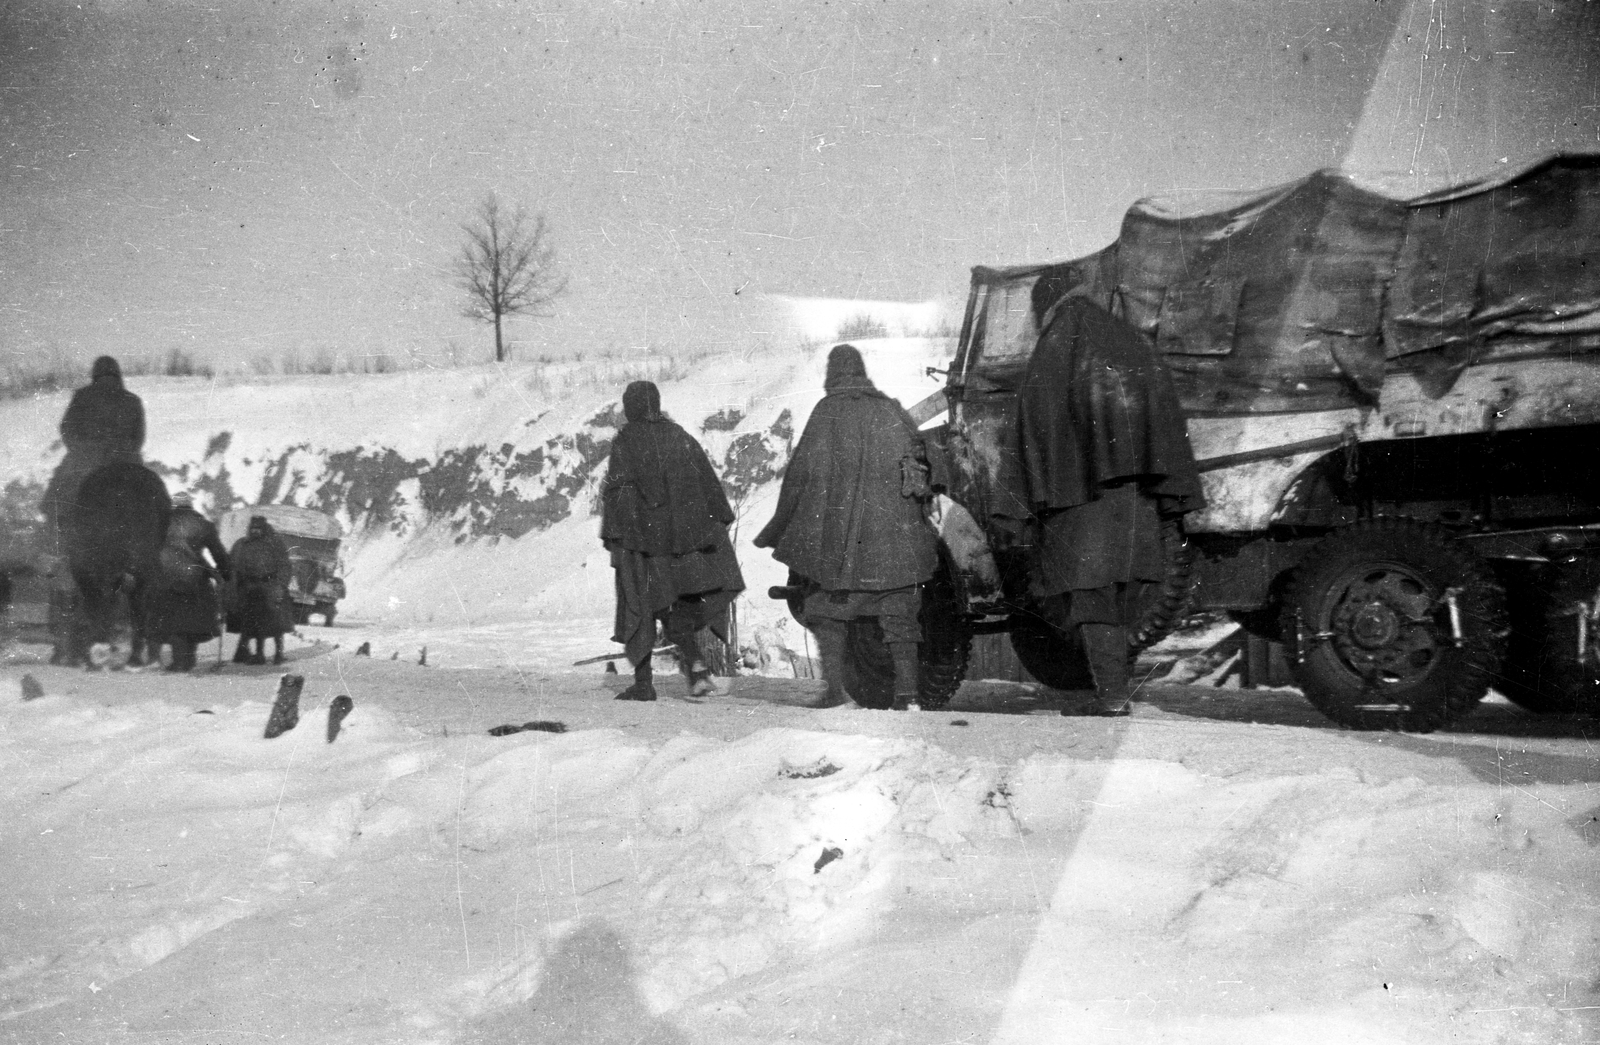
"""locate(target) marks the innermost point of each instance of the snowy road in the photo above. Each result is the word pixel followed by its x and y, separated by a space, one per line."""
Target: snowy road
pixel 1223 866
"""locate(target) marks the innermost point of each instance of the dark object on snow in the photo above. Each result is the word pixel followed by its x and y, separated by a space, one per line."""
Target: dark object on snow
pixel 286 708
pixel 422 656
pixel 395 655
pixel 959 722
pixel 829 855
pixel 340 707
pixel 809 771
pixel 611 667
pixel 364 650
pixel 31 690
pixel 205 711
pixel 537 726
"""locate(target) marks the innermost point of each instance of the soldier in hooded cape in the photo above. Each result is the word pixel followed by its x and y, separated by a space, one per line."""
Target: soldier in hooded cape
pixel 104 424
pixel 260 592
pixel 183 600
pixel 1105 457
pixel 850 520
pixel 665 521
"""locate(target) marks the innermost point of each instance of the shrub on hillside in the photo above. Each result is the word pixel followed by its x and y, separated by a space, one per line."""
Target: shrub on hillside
pixel 861 327
pixel 181 364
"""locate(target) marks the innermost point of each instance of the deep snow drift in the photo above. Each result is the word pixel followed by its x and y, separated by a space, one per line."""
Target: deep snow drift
pixel 747 871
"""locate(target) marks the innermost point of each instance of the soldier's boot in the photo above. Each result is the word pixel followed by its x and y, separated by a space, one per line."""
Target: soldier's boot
pixel 1106 646
pixel 831 647
pixel 680 632
pixel 179 662
pixel 643 688
pixel 904 655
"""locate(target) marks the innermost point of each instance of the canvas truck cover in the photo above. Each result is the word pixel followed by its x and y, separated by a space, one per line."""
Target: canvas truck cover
pixel 315 534
pixel 1305 296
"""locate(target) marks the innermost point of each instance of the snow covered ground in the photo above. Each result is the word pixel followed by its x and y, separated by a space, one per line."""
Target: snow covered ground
pixel 1221 867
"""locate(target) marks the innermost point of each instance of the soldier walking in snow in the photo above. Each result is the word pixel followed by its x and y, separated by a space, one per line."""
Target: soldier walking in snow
pixel 1105 457
pixel 183 601
pixel 665 521
pixel 260 600
pixel 850 521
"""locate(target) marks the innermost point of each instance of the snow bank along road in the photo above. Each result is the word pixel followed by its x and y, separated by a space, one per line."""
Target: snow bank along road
pixel 1221 867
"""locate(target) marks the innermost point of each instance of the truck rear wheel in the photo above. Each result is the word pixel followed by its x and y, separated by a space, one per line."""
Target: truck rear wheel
pixel 868 669
pixel 1052 656
pixel 1394 625
pixel 1551 664
pixel 942 656
pixel 1057 660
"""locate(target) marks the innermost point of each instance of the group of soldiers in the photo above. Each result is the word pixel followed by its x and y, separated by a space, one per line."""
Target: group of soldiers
pixel 183 607
pixel 849 520
pixel 183 600
pixel 1103 458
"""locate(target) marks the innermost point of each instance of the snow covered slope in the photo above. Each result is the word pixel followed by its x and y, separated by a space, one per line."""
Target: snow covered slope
pixel 469 494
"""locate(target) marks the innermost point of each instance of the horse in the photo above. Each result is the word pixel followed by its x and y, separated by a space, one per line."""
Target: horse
pixel 117 524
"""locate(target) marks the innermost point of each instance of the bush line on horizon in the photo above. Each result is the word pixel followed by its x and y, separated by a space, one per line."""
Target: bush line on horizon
pixel 559 375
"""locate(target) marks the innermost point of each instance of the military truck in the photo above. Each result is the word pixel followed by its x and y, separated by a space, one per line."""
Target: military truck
pixel 1395 406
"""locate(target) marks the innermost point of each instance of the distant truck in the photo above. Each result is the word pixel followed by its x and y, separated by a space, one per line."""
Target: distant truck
pixel 1395 405
pixel 312 537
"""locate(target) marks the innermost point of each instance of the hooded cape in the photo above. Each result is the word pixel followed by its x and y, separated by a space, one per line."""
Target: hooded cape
pixel 665 519
pixel 844 520
pixel 1096 409
pixel 660 495
pixel 1105 453
pixel 183 601
pixel 104 424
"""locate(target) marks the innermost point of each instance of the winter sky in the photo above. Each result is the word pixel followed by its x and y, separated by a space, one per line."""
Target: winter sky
pixel 248 180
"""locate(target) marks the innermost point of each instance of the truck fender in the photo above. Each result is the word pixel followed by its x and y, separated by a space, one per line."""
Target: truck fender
pixel 972 564
pixel 1320 495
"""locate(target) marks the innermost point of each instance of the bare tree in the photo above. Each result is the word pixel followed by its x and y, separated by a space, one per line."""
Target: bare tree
pixel 507 267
